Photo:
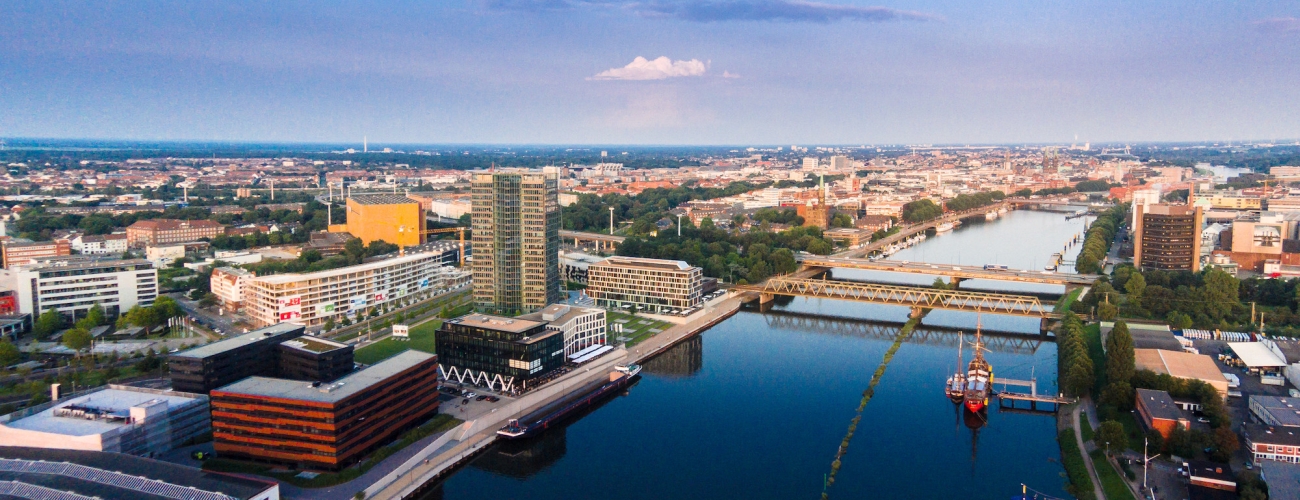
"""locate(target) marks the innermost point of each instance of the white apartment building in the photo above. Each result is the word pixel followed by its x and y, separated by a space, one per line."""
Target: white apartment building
pixel 105 244
pixel 583 327
pixel 73 285
pixel 313 298
pixel 654 284
pixel 228 285
pixel 810 163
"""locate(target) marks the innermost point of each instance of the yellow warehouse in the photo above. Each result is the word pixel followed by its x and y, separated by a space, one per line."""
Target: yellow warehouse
pixel 393 218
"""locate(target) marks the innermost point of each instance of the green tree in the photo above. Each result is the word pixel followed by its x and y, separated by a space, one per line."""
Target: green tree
pixel 1220 293
pixel 1225 443
pixel 166 308
pixel 1119 354
pixel 1111 432
pixel 9 353
pixel 1118 394
pixel 329 324
pixel 47 323
pixel 1107 311
pixel 1135 286
pixel 77 339
pixel 1079 375
pixel 1180 320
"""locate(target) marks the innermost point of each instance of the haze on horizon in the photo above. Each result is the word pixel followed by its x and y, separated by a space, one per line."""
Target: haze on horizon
pixel 659 72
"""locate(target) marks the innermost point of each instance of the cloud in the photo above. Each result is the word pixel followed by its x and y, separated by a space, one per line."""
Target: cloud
pixel 528 5
pixel 728 74
pixel 775 10
pixel 658 69
pixel 1279 25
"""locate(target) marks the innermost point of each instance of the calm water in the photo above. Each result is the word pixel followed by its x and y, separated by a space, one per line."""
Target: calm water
pixel 756 406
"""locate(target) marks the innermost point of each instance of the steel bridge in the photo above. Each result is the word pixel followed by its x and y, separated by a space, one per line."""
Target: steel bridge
pixel 953 271
pixel 917 298
pixel 1009 342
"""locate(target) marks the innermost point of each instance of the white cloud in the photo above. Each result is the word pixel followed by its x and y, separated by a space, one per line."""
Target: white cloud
pixel 658 69
pixel 728 74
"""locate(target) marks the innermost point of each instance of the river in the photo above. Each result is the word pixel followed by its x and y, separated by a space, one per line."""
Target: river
pixel 757 406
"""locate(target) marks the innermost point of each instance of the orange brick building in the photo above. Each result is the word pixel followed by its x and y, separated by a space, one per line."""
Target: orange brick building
pixel 162 231
pixel 13 253
pixel 1159 412
pixel 324 426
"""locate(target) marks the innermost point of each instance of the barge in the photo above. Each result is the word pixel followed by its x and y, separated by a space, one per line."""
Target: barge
pixel 546 417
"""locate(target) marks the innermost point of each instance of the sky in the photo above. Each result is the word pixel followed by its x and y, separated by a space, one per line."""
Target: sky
pixel 713 72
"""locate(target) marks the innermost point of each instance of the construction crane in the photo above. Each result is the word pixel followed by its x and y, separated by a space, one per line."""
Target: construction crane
pixel 460 230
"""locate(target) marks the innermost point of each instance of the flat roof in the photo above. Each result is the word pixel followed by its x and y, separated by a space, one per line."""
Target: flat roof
pixel 381 199
pixel 1283 478
pixel 221 346
pixel 1269 434
pixel 115 401
pixel 1179 364
pixel 1285 410
pixel 1256 354
pixel 661 264
pixel 513 325
pixel 115 475
pixel 369 266
pixel 1159 404
pixel 332 392
pixel 313 344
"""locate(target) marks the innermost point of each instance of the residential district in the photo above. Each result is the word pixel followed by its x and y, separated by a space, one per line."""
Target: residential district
pixel 339 325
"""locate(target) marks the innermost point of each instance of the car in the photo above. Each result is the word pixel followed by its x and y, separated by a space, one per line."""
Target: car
pixel 464 401
pixel 493 399
pixel 480 397
pixel 1249 466
pixel 955 268
pixel 470 395
pixel 1203 420
pixel 906 262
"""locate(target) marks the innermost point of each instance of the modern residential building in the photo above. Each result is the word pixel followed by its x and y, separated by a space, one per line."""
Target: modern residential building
pixel 324 426
pixel 116 418
pixel 313 298
pixel 204 368
pixel 516 221
pixel 1276 411
pixel 392 218
pixel 16 253
pixel 34 473
pixel 583 327
pixel 1159 412
pixel 103 244
pixel 503 354
pixel 810 163
pixel 314 358
pixel 1168 237
pixel 73 285
pixel 228 285
pixel 652 284
pixel 162 231
pixel 1267 442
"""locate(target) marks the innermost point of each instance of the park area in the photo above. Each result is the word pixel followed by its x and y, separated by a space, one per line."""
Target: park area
pixel 421 339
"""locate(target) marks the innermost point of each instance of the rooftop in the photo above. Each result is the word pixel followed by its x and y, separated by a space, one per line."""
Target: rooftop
pixel 1180 364
pixel 173 224
pixel 1286 411
pixel 1159 404
pixel 113 406
pixel 369 266
pixel 77 262
pixel 513 325
pixel 660 264
pixel 113 475
pixel 222 346
pixel 380 199
pixel 1256 354
pixel 313 344
pixel 332 392
pixel 1268 434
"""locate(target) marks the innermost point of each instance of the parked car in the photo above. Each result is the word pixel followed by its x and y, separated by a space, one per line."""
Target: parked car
pixel 470 395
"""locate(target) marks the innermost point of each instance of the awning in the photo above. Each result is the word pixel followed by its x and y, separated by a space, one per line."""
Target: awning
pixel 1256 355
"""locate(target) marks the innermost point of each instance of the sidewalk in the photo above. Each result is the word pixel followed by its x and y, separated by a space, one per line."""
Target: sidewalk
pixel 1087 459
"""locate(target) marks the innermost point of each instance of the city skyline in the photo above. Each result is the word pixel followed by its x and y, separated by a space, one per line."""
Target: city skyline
pixel 610 72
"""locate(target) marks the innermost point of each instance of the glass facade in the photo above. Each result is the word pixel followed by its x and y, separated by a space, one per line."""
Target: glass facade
pixel 518 355
pixel 516 222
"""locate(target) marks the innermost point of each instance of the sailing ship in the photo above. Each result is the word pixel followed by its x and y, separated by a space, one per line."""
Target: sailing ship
pixel 979 378
pixel 956 386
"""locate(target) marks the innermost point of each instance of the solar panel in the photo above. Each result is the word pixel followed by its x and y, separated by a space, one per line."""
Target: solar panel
pixel 111 478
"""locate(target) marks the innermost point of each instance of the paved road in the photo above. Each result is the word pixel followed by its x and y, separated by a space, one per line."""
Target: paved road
pixel 1087 459
pixel 220 323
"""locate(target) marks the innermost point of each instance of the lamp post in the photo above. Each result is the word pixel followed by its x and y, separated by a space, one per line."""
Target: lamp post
pixel 679 225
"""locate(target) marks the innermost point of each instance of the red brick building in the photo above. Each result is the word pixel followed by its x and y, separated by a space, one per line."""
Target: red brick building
pixel 13 253
pixel 324 426
pixel 1159 412
pixel 162 231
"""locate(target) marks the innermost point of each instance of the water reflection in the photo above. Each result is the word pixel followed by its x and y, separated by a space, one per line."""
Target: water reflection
pixel 524 458
pixel 937 335
pixel 682 360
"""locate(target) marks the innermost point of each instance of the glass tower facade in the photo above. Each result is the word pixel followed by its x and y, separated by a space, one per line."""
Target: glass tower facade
pixel 516 237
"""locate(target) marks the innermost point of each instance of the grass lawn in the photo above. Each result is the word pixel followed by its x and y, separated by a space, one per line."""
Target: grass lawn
pixel 422 339
pixel 633 329
pixel 1111 482
pixel 1087 428
pixel 1069 298
pixel 1076 471
pixel 438 423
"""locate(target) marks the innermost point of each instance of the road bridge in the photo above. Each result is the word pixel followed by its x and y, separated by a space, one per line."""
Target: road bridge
pixel 601 240
pixel 1009 342
pixel 917 298
pixel 957 272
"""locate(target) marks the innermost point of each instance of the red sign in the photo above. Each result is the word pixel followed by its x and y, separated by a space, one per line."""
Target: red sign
pixel 8 304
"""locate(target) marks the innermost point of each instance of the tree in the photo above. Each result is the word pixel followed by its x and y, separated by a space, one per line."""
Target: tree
pixel 47 323
pixel 1118 394
pixel 208 300
pixel 1135 286
pixel 1079 375
pixel 1119 354
pixel 1180 320
pixel 1107 311
pixel 1111 432
pixel 166 308
pixel 9 353
pixel 1225 443
pixel 77 339
pixel 329 324
pixel 1155 440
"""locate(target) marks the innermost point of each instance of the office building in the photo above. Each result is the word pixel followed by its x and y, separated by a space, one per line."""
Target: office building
pixel 1168 237
pixel 324 425
pixel 72 285
pixel 516 221
pixel 583 327
pixel 15 253
pixel 313 298
pixel 33 473
pixel 228 285
pixel 162 231
pixel 1275 411
pixel 810 163
pixel 1267 442
pixel 103 244
pixel 503 354
pixel 655 285
pixel 116 418
pixel 391 218
pixel 313 358
pixel 204 368
pixel 839 163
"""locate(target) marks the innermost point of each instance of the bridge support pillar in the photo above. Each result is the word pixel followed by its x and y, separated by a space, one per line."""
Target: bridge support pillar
pixel 955 282
pixel 764 298
pixel 917 313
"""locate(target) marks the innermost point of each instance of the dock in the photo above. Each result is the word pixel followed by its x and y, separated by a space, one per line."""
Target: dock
pixel 1007 399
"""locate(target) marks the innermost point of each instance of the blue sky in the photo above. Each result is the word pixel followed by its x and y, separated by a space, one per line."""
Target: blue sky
pixel 734 72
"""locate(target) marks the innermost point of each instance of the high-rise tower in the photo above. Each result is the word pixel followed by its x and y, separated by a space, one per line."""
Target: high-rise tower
pixel 516 222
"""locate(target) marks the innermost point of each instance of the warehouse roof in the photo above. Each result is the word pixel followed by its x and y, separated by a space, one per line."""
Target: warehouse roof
pixel 1256 354
pixel 1179 364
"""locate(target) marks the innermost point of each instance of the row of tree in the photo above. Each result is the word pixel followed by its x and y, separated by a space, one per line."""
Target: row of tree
pixel 591 212
pixel 1096 244
pixel 1209 298
pixel 733 256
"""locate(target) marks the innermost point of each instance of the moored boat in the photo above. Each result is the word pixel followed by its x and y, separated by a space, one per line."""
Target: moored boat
pixel 550 415
pixel 979 378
